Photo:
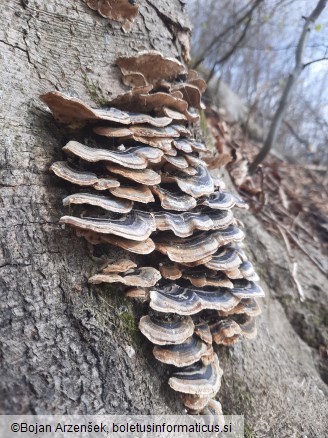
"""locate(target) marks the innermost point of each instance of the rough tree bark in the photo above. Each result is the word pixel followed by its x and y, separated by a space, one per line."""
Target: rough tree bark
pixel 64 348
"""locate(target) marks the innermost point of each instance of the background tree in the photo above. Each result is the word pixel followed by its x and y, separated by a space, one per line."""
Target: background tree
pixel 251 46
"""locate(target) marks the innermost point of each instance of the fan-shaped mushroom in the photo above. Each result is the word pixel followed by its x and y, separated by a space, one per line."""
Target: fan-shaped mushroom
pixel 172 331
pixel 170 271
pixel 178 162
pixel 82 178
pixel 118 10
pixel 75 113
pixel 198 379
pixel 223 331
pixel 183 145
pixel 183 224
pixel 188 250
pixel 174 115
pixel 193 78
pixel 221 218
pixel 224 259
pixel 136 225
pixel 121 265
pixel 233 274
pixel 152 65
pixel 174 201
pixel 196 185
pixel 191 94
pixel 202 330
pixel 246 289
pixel 249 306
pixel 142 277
pixel 138 193
pixel 189 301
pixel 172 131
pixel 107 203
pixel 147 103
pixel 219 201
pixel 194 402
pixel 134 157
pixel 145 247
pixel 248 272
pixel 247 325
pixel 144 176
pixel 197 247
pixel 202 277
pixel 181 355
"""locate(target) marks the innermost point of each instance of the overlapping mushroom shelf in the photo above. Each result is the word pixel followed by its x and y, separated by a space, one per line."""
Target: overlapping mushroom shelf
pixel 142 185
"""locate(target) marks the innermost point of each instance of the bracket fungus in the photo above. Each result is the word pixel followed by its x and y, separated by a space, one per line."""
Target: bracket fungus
pixel 160 204
pixel 119 10
pixel 153 66
pixel 143 277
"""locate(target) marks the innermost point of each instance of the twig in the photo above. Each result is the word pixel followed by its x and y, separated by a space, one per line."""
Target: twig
pixel 278 116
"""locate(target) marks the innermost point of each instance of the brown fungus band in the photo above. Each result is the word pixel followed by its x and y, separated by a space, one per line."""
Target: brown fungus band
pixel 145 189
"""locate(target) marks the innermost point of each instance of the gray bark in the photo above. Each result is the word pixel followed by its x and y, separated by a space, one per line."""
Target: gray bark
pixel 64 347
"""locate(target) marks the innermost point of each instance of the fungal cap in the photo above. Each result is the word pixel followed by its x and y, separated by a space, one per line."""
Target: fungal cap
pixel 170 271
pixel 249 306
pixel 181 355
pixel 152 65
pixel 140 193
pixel 189 301
pixel 194 402
pixel 202 330
pixel 142 277
pixel 166 332
pixel 198 379
pixel 144 176
pixel 183 224
pixel 82 178
pixel 174 200
pixel 107 203
pixel 134 157
pixel 136 225
pixel 121 265
pixel 246 289
pixel 202 277
pixel 136 293
pixel 224 329
pixel 248 272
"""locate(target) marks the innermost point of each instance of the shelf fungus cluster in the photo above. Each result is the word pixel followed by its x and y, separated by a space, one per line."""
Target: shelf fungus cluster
pixel 141 185
pixel 124 11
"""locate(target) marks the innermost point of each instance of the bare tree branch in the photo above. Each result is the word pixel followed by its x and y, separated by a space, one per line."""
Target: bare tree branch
pixel 232 49
pixel 292 130
pixel 217 39
pixel 315 60
pixel 278 117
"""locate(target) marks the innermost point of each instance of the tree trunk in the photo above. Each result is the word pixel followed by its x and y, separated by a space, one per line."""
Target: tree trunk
pixel 65 347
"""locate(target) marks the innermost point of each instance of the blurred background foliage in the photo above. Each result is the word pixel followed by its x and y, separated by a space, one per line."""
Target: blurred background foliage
pixel 250 46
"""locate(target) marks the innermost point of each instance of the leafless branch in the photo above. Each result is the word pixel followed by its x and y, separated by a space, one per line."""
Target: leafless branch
pixel 278 116
pixel 315 60
pixel 219 37
pixel 231 50
pixel 301 140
